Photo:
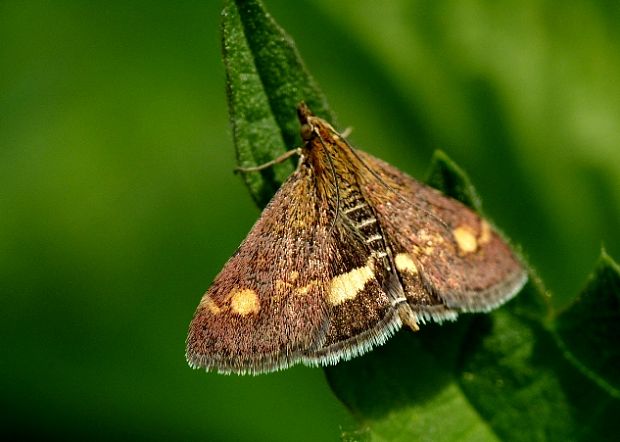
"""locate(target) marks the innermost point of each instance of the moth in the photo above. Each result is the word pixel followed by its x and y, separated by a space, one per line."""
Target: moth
pixel 348 250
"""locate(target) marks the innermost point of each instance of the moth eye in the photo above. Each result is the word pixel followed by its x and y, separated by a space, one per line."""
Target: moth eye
pixel 306 132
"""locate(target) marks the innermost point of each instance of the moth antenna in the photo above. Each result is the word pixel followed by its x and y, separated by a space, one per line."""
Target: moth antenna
pixel 285 156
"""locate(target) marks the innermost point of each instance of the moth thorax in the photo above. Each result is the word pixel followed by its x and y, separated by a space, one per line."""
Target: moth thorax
pixel 306 132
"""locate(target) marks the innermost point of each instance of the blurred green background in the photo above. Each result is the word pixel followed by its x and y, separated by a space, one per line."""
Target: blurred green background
pixel 118 204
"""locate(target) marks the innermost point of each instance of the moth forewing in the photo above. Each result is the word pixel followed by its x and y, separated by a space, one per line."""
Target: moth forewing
pixel 457 255
pixel 266 306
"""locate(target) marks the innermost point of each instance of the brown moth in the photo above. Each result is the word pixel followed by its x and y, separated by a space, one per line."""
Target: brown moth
pixel 348 250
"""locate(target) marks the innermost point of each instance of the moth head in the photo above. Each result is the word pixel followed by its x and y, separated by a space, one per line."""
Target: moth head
pixel 305 118
pixel 312 126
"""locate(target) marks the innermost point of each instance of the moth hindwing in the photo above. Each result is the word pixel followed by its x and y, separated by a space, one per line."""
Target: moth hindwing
pixel 348 250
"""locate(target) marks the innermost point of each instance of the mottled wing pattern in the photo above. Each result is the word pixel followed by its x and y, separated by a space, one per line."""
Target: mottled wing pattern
pixel 267 307
pixel 444 252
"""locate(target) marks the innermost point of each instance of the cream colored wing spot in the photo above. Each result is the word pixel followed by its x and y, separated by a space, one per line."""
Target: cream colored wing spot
pixel 465 239
pixel 485 233
pixel 303 291
pixel 404 263
pixel 244 302
pixel 348 285
pixel 373 238
pixel 355 208
pixel 209 304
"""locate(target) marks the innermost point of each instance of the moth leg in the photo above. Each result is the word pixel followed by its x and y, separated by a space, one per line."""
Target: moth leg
pixel 408 317
pixel 285 156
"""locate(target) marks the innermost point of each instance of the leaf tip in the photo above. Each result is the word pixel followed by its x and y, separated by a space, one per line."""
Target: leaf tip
pixel 444 174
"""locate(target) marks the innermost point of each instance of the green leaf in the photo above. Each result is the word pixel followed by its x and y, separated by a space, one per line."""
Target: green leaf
pixel 266 80
pixel 588 330
pixel 402 391
pixel 514 375
pixel 444 174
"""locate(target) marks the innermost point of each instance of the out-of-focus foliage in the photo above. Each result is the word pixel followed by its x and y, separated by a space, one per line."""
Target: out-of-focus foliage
pixel 118 205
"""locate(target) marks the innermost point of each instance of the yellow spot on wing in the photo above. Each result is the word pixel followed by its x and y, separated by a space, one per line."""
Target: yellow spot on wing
pixel 284 289
pixel 404 263
pixel 465 239
pixel 207 302
pixel 485 232
pixel 348 285
pixel 244 302
pixel 303 291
